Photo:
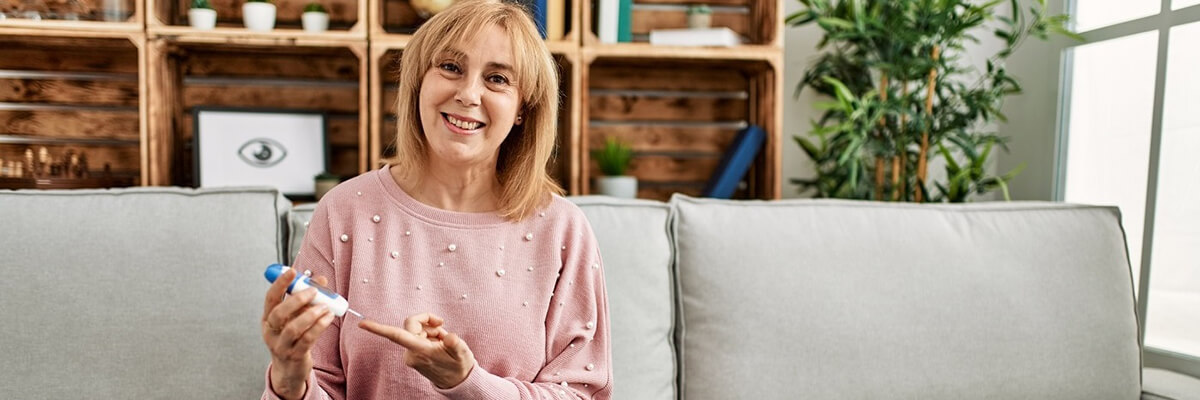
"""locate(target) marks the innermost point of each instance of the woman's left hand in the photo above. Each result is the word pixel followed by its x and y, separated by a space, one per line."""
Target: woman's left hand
pixel 440 356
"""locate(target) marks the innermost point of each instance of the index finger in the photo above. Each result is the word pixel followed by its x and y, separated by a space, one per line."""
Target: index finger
pixel 397 335
pixel 276 291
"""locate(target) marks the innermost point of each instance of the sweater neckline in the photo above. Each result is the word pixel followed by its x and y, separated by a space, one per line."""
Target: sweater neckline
pixel 430 213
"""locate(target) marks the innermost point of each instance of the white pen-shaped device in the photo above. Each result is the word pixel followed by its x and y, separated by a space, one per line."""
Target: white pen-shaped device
pixel 336 303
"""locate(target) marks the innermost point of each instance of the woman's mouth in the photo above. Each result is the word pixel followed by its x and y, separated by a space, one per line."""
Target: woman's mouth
pixel 461 126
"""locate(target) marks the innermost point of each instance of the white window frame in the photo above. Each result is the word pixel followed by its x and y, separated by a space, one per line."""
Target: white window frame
pixel 1162 22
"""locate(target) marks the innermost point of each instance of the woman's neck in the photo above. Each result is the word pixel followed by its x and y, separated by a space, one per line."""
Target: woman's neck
pixel 470 189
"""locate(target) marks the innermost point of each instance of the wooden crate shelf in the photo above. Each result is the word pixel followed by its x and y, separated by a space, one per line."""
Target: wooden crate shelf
pixel 129 97
pixel 90 14
pixel 397 20
pixel 345 16
pixel 78 94
pixel 679 116
pixel 330 80
pixel 759 22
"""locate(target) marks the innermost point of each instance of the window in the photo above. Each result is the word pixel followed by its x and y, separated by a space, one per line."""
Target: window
pixel 1131 112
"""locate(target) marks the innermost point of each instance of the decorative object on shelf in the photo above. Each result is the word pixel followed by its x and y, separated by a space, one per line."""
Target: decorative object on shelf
pixel 324 182
pixel 614 158
pixel 280 148
pixel 735 162
pixel 719 37
pixel 32 10
pixel 876 139
pixel 116 10
pixel 315 19
pixel 74 10
pixel 699 16
pixel 427 8
pixel 68 165
pixel 258 15
pixel 202 15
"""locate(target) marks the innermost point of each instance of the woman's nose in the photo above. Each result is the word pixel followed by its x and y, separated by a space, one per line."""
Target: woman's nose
pixel 469 91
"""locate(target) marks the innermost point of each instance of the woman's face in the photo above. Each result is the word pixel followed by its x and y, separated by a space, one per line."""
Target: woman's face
pixel 469 99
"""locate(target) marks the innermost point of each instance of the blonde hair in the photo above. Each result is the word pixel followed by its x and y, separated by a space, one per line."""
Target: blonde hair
pixel 522 166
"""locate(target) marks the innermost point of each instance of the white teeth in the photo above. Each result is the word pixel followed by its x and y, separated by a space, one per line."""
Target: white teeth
pixel 463 124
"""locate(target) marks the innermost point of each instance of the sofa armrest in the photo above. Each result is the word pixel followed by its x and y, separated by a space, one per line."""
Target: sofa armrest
pixel 1160 384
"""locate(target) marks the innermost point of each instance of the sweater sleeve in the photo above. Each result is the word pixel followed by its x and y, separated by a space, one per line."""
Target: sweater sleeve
pixel 327 381
pixel 577 344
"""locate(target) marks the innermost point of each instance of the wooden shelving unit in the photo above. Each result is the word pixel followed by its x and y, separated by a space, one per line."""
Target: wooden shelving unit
pixel 679 107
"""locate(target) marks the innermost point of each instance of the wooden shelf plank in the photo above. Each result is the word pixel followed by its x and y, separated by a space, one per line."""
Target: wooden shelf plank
pixel 20 26
pixel 241 36
pixel 648 51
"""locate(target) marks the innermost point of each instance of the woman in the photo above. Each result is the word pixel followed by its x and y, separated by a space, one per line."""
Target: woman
pixel 477 280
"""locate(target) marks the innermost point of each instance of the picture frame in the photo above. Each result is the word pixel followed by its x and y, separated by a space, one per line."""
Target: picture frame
pixel 259 147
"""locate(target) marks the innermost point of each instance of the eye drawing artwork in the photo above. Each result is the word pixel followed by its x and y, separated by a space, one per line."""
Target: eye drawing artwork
pixel 249 147
pixel 262 152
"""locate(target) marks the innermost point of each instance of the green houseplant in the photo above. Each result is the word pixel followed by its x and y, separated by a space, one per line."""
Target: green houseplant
pixel 314 19
pixel 614 159
pixel 902 96
pixel 202 15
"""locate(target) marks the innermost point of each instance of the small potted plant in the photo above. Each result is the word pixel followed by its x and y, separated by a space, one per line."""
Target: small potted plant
pixel 258 15
pixel 202 15
pixel 699 16
pixel 315 19
pixel 323 182
pixel 614 159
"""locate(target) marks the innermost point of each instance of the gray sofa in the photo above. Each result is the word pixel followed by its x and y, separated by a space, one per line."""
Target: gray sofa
pixel 152 293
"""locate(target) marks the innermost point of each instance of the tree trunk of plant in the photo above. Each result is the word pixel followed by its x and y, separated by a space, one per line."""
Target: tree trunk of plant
pixel 922 159
pixel 880 162
pixel 898 188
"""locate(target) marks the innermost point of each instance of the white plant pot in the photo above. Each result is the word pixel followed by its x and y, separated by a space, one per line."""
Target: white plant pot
pixel 617 186
pixel 202 18
pixel 258 16
pixel 699 21
pixel 315 21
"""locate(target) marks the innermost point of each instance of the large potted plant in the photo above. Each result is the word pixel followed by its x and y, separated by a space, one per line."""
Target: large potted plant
pixel 614 158
pixel 902 96
pixel 258 15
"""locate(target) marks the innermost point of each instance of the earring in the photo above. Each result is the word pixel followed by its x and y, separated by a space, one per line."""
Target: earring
pixel 520 119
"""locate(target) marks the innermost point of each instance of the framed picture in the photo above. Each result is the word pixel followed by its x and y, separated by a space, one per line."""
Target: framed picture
pixel 251 147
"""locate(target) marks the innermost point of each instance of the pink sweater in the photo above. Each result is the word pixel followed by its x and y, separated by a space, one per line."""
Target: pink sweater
pixel 528 297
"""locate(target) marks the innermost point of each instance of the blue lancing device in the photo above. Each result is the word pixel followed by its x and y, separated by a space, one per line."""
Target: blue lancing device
pixel 325 296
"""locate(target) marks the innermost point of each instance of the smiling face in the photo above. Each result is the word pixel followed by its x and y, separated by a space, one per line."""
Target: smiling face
pixel 469 100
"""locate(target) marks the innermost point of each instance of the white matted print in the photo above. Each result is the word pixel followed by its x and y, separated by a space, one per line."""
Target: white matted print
pixel 248 148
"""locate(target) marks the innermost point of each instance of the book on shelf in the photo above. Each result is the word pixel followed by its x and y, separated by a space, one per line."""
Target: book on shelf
pixel 608 16
pixel 724 37
pixel 625 21
pixel 735 162
pixel 539 16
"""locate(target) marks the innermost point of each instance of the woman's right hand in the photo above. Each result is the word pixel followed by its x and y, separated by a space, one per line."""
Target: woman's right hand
pixel 290 327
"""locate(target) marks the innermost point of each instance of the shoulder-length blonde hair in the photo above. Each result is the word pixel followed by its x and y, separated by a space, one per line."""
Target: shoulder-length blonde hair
pixel 522 165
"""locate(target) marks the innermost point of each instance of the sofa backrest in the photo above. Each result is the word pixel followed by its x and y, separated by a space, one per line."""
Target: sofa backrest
pixel 857 300
pixel 146 293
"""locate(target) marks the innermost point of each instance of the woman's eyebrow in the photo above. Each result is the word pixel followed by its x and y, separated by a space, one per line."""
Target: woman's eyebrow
pixel 501 66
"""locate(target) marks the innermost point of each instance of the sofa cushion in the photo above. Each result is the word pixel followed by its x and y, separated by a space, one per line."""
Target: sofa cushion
pixel 298 218
pixel 860 300
pixel 144 293
pixel 637 271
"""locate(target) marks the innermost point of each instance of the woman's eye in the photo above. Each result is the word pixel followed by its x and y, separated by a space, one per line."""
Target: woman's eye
pixel 449 67
pixel 498 79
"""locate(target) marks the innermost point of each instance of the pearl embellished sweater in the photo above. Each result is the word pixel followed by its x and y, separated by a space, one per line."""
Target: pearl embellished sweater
pixel 528 297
